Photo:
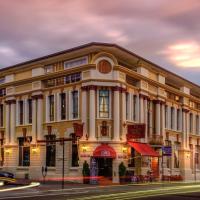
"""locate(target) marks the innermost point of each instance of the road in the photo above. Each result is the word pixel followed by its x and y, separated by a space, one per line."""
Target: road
pixel 122 192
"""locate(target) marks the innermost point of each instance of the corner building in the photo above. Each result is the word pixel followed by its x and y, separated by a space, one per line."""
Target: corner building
pixel 105 89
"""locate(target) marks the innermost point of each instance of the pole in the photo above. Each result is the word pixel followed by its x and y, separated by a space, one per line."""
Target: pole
pixel 63 163
pixel 162 167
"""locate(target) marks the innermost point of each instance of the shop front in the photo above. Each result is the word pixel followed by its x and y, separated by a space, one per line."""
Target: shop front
pixel 104 156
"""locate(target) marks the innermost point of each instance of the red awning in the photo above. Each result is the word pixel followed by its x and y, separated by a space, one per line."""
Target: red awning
pixel 104 151
pixel 144 149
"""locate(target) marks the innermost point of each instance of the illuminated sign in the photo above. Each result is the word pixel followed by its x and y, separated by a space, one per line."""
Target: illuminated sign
pixel 135 131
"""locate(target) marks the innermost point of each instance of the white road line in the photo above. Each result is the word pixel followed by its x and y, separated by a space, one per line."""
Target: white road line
pixel 42 195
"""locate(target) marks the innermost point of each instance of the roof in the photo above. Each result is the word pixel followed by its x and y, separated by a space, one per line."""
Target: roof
pixel 107 45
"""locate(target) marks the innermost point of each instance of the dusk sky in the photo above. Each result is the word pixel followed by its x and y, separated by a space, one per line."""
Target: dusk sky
pixel 167 32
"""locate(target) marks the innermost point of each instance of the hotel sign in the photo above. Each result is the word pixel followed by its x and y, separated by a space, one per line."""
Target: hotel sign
pixel 166 150
pixel 135 131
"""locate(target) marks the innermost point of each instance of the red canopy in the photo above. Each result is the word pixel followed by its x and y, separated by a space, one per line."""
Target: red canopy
pixel 144 149
pixel 104 151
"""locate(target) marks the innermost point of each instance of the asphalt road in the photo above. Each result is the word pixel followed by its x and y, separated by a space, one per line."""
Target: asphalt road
pixel 124 192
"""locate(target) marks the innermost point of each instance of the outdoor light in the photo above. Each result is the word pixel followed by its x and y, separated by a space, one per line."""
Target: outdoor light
pixel 8 151
pixel 84 148
pixel 34 149
pixel 124 149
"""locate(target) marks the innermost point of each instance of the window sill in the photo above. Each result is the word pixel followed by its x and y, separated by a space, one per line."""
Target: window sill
pixel 22 168
pixel 51 168
pixel 74 168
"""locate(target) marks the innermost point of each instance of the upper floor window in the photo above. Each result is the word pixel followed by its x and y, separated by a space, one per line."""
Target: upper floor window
pixel 2 80
pixel 51 107
pixel 197 124
pixel 1 115
pixel 104 103
pixel 63 105
pixel 49 68
pixel 29 111
pixel 21 112
pixel 76 62
pixel 75 106
pixel 75 157
pixel 2 92
pixel 71 78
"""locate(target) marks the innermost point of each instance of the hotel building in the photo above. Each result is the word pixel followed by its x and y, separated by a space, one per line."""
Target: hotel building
pixel 124 107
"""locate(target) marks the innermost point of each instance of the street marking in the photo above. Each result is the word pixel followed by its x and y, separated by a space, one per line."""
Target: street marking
pixel 33 184
pixel 145 193
pixel 42 195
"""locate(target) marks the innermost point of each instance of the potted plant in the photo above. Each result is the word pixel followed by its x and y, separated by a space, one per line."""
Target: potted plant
pixel 122 172
pixel 86 172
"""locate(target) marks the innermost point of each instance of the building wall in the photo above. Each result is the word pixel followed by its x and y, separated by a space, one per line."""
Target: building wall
pixel 136 96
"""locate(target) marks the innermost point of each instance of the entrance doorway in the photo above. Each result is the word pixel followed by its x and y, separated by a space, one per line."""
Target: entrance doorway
pixel 104 167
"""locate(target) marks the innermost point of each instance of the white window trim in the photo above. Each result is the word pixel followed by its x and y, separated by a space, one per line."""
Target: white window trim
pixel 110 101
pixel 76 59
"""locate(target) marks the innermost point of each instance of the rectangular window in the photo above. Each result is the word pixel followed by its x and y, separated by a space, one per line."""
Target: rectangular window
pixel 75 104
pixel 176 155
pixel 76 62
pixel 104 103
pixel 72 78
pixel 63 105
pixel 2 152
pixel 127 105
pixel 197 124
pixel 51 107
pixel 21 112
pixel 2 92
pixel 2 80
pixel 24 152
pixel 51 151
pixel 1 115
pixel 49 69
pixel 75 157
pixel 29 111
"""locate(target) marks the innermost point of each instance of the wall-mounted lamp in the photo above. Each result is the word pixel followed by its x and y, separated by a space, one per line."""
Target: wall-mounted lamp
pixel 124 149
pixel 84 148
pixel 8 151
pixel 34 149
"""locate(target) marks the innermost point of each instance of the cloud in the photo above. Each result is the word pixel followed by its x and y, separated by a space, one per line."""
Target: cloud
pixel 30 29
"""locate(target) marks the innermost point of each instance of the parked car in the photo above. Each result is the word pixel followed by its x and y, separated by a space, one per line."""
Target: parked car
pixel 6 174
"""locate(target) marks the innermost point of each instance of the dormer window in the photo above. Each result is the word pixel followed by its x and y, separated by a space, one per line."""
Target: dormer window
pixel 76 62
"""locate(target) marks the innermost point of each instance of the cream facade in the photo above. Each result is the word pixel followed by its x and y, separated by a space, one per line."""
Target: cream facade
pixel 105 88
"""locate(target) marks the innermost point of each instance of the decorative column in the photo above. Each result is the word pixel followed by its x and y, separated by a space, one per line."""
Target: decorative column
pixel 12 122
pixel 116 116
pixel 129 107
pixel 175 119
pixel 141 113
pixel 92 117
pixel 151 119
pixel 157 117
pixel 146 118
pixel 199 125
pixel 186 128
pixel 7 131
pixel 180 120
pixel 123 113
pixel 39 117
pixel 169 117
pixel 163 120
pixel 137 109
pixel 84 111
pixel 34 120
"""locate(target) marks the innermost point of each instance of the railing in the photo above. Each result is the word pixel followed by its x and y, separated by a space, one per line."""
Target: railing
pixel 156 140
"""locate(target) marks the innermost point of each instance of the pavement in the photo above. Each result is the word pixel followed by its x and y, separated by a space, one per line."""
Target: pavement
pixel 48 191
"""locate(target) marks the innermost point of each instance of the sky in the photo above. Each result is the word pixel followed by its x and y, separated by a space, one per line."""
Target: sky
pixel 167 32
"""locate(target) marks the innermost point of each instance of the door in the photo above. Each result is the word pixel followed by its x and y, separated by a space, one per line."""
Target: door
pixel 155 167
pixel 104 167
